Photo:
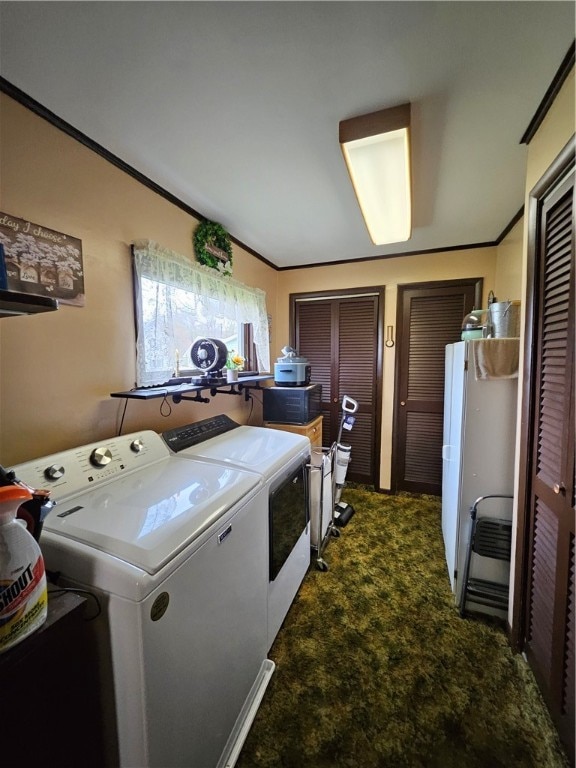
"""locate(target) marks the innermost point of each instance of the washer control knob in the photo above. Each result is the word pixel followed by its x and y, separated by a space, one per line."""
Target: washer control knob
pixel 54 472
pixel 137 445
pixel 101 456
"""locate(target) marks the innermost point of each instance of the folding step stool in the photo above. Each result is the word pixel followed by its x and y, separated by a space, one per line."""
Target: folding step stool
pixel 489 537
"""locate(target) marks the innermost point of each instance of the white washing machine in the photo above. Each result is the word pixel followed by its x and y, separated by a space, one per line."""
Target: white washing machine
pixel 176 552
pixel 282 459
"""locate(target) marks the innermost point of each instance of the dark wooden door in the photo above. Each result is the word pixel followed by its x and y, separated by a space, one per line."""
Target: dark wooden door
pixel 429 317
pixel 549 597
pixel 341 338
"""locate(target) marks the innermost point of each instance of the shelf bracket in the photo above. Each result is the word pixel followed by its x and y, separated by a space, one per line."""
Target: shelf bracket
pixel 232 391
pixel 196 399
pixel 246 389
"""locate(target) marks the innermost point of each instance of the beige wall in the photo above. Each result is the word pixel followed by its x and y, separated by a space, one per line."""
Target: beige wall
pixel 389 273
pixel 57 369
pixel 508 282
pixel 554 133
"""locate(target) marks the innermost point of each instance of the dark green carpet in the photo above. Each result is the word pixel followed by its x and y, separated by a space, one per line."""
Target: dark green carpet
pixel 376 668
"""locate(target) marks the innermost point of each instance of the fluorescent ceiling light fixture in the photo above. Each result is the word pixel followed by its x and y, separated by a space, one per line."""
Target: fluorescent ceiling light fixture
pixel 376 148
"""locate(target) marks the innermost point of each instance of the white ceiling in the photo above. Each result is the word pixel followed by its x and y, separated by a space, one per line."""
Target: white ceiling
pixel 234 106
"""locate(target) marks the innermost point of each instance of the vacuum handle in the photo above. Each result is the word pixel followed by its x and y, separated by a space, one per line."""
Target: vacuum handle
pixel 349 405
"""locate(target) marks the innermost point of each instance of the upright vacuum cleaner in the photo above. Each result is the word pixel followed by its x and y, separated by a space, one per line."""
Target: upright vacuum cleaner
pixel 328 475
pixel 342 511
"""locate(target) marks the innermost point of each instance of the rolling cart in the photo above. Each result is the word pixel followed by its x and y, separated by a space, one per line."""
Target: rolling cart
pixel 328 473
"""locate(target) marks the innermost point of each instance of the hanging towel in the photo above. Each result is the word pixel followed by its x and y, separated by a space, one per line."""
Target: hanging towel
pixel 496 358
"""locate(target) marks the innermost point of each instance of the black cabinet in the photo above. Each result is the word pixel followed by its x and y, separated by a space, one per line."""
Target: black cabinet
pixel 50 701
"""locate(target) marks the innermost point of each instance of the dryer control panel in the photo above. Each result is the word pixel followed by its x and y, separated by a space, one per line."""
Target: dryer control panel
pixel 180 438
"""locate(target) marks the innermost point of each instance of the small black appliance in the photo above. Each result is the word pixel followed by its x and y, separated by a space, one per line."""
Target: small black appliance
pixel 292 405
pixel 209 356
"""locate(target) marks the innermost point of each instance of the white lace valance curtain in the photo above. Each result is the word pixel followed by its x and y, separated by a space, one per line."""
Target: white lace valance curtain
pixel 241 303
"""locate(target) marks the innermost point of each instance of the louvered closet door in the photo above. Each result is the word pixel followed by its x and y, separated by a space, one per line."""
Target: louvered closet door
pixel 314 341
pixel 550 595
pixel 429 318
pixel 340 338
pixel 356 377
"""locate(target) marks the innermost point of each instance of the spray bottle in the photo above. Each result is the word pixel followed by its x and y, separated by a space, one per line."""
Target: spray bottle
pixel 23 591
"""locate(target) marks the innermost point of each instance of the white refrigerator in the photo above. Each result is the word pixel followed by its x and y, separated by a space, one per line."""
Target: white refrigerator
pixel 477 460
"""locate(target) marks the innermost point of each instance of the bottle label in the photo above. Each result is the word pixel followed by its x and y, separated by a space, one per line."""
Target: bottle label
pixel 23 604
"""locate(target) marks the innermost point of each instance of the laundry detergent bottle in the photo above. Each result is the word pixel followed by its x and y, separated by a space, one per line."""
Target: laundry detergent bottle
pixel 23 591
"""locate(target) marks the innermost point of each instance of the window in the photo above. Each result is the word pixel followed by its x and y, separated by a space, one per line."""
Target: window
pixel 177 301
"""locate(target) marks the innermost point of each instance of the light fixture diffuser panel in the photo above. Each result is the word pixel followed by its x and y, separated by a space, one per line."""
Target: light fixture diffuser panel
pixel 379 167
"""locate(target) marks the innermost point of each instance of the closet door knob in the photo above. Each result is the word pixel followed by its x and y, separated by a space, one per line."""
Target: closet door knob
pixel 559 488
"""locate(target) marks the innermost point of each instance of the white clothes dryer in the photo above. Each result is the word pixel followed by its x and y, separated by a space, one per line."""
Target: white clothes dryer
pixel 282 459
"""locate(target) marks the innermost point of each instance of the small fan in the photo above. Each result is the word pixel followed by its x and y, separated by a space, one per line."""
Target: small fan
pixel 209 355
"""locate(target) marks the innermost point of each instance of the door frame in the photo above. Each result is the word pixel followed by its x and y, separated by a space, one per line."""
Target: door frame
pixel 478 283
pixel 558 168
pixel 350 293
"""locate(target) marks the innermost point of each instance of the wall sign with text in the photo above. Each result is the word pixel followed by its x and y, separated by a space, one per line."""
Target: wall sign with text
pixel 42 261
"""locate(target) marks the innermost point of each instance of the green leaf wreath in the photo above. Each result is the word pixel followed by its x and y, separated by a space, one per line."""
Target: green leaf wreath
pixel 210 234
